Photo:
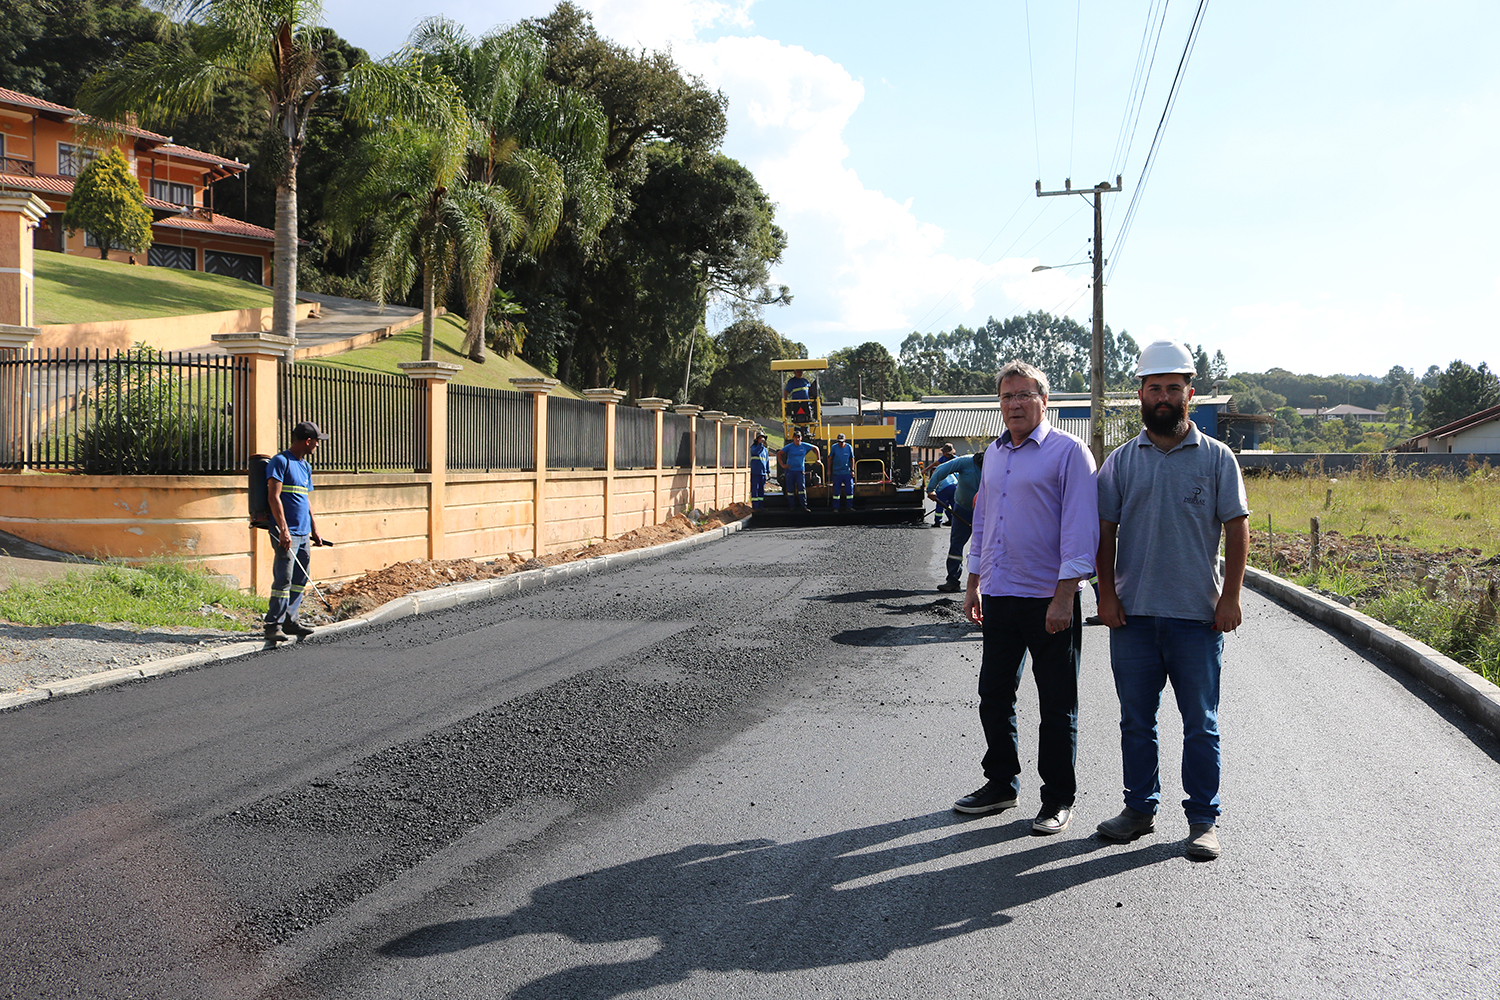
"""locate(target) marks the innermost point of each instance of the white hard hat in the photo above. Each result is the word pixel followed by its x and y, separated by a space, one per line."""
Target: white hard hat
pixel 1165 357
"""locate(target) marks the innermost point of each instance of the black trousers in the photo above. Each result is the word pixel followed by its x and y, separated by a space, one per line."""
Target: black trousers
pixel 1014 626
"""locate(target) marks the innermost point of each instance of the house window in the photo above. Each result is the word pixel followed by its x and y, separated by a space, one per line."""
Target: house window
pixel 72 159
pixel 177 194
pixel 90 240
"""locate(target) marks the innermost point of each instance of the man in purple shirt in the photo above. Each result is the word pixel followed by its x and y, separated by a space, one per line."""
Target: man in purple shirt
pixel 1036 532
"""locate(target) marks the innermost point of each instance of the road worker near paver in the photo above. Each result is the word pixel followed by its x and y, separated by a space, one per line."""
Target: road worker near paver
pixel 942 489
pixel 760 468
pixel 965 470
pixel 793 457
pixel 1164 499
pixel 293 531
pixel 841 474
pixel 1036 532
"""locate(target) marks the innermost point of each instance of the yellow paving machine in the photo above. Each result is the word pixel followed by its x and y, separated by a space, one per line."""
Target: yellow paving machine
pixel 883 480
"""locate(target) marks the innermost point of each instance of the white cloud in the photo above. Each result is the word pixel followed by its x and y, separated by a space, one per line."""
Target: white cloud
pixel 661 24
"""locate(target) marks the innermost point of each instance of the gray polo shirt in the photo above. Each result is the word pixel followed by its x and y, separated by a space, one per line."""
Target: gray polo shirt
pixel 1171 507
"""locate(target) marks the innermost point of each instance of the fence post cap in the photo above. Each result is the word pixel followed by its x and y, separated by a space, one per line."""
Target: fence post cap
pixel 429 371
pixel 653 402
pixel 17 337
pixel 535 383
pixel 713 414
pixel 689 409
pixel 604 395
pixel 253 342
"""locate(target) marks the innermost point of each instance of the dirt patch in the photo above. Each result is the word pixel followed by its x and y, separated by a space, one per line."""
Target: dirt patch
pixel 356 597
pixel 1383 563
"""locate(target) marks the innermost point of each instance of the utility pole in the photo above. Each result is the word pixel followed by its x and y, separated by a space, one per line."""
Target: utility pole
pixel 1096 359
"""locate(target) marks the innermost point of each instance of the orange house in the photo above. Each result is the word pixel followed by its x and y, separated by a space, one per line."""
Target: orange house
pixel 42 152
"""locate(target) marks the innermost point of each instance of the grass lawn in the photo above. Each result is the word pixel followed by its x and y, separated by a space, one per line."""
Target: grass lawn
pixel 448 338
pixel 88 290
pixel 1430 512
pixel 156 594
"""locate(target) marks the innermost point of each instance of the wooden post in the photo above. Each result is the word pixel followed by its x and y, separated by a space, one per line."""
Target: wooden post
pixel 538 389
pixel 263 353
pixel 1312 558
pixel 435 375
pixel 611 399
pixel 657 404
pixel 692 410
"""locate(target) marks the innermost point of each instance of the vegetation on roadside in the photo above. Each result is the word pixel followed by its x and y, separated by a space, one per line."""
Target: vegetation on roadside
pixel 1420 553
pixel 156 594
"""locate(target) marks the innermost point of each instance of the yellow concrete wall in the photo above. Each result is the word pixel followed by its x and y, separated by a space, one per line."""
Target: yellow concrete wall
pixel 374 520
pixel 165 333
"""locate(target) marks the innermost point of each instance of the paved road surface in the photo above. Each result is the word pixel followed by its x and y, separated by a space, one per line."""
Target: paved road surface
pixel 642 784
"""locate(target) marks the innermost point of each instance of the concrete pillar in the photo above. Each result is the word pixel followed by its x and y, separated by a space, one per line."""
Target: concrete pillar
pixel 611 399
pixel 256 405
pixel 659 405
pixel 538 388
pixel 435 375
pixel 692 411
pixel 20 213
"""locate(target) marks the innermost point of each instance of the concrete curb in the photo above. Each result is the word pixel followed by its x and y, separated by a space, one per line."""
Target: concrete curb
pixel 1477 697
pixel 423 602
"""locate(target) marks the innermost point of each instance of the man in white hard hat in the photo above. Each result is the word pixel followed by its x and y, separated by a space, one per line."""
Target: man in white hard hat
pixel 1035 534
pixel 1164 500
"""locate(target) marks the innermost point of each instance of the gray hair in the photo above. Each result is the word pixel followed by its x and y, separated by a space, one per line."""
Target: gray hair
pixel 1021 368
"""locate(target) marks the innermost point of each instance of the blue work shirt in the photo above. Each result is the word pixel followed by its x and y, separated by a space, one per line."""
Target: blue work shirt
pixel 796 456
pixel 760 457
pixel 797 388
pixel 295 476
pixel 965 472
pixel 841 459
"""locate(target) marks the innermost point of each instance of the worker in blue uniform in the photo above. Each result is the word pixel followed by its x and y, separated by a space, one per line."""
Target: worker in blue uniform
pixel 798 387
pixel 794 458
pixel 760 468
pixel 942 490
pixel 967 469
pixel 841 472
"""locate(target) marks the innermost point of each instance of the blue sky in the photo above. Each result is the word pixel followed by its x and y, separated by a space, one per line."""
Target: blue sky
pixel 1317 201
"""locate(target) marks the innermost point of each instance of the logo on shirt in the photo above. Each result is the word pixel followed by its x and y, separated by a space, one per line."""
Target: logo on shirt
pixel 1196 498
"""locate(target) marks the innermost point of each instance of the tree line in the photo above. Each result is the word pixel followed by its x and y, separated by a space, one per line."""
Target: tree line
pixel 564 194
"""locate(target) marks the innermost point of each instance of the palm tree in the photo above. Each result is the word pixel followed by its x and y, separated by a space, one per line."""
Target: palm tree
pixel 275 44
pixel 540 144
pixel 406 184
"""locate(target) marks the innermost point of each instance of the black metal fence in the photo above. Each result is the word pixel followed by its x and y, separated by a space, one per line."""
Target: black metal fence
pixel 635 438
pixel 374 423
pixel 490 429
pixel 676 440
pixel 134 412
pixel 575 434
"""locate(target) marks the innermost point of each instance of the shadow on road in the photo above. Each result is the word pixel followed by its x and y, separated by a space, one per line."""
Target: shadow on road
pixel 910 635
pixel 854 896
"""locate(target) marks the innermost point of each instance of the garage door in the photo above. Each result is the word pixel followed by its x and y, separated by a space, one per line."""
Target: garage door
pixel 182 258
pixel 233 265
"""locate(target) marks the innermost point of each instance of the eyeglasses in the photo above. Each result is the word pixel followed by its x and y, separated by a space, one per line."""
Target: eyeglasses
pixel 1019 397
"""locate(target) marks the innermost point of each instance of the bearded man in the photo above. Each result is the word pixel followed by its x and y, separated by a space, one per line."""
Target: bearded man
pixel 1164 500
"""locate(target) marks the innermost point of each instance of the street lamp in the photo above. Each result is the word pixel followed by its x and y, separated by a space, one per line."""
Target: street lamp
pixel 1057 267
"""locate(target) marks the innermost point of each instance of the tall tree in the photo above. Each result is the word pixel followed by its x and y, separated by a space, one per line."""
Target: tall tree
pixel 274 44
pixel 48 48
pixel 743 381
pixel 108 203
pixel 1459 391
pixel 540 144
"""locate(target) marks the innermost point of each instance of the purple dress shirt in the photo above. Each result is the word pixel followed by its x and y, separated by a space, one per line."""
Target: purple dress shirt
pixel 1036 516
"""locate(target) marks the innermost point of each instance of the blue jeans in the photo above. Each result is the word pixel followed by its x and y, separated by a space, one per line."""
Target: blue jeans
pixel 1012 627
pixel 289 572
pixel 1145 654
pixel 796 489
pixel 958 537
pixel 842 494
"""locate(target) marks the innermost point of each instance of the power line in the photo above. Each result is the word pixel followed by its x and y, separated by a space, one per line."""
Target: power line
pixel 1139 86
pixel 980 258
pixel 1031 65
pixel 1166 113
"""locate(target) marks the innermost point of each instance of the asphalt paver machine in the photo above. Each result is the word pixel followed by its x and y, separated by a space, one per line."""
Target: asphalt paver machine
pixel 884 491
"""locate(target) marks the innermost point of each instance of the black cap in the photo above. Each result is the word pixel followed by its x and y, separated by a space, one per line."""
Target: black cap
pixel 307 429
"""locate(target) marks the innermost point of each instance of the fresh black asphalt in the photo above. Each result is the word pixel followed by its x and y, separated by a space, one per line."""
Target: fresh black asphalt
pixel 726 772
